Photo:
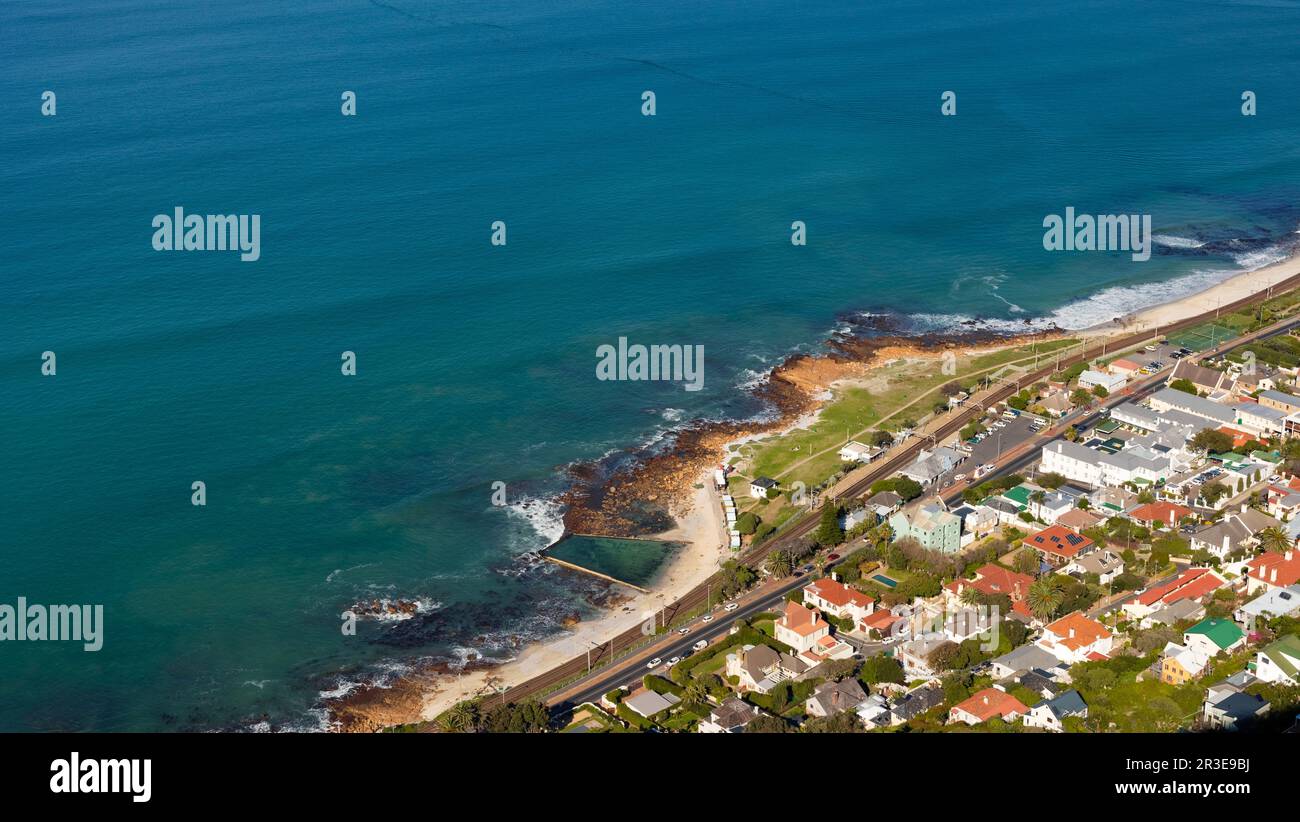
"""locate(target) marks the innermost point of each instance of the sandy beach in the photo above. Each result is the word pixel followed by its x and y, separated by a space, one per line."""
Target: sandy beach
pixel 1236 287
pixel 700 527
pixel 426 695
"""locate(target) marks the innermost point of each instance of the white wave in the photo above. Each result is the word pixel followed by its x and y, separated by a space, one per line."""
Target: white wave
pixel 1255 260
pixel 335 573
pixel 672 414
pixel 545 521
pixel 749 378
pixel 1172 241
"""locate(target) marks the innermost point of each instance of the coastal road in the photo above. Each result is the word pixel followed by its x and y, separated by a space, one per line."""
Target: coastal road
pixel 794 533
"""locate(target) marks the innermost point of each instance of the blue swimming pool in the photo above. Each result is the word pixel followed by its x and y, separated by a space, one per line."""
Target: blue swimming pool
pixel 885 581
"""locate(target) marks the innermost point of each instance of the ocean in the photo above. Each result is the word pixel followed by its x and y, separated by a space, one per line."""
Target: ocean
pixel 476 362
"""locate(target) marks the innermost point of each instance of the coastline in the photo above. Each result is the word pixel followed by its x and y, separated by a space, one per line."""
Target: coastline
pixel 799 388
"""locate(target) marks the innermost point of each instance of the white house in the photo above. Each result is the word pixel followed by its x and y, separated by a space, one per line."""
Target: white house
pixel 858 452
pixel 759 487
pixel 1090 379
pixel 1074 638
pixel 1050 714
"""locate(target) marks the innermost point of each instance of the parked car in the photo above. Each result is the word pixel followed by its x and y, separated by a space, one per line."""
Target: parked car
pixel 683 630
pixel 706 618
pixel 654 663
pixel 700 646
pixel 731 606
pixel 674 660
pixel 832 557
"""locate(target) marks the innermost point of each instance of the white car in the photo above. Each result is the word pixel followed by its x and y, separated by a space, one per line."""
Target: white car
pixel 683 630
pixel 731 606
pixel 701 645
pixel 674 660
pixel 958 477
pixel 706 618
pixel 654 663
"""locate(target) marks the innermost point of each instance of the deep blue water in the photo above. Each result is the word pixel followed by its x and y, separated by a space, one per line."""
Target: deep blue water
pixel 476 363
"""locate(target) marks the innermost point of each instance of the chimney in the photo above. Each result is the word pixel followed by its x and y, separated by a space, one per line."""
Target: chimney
pixel 1225 543
pixel 1287 556
pixel 1071 633
pixel 986 699
pixel 1244 506
pixel 1274 575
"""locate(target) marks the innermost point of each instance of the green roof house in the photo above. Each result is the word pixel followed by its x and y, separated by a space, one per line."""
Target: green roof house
pixel 1280 662
pixel 1213 636
pixel 1019 495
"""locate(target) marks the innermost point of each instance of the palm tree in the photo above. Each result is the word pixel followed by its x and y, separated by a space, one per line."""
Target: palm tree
pixel 696 692
pixel 1274 539
pixel 460 718
pixel 1036 499
pixel 1045 596
pixel 970 596
pixel 779 564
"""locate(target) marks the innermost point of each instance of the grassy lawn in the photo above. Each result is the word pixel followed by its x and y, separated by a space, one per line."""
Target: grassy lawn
pixel 901 391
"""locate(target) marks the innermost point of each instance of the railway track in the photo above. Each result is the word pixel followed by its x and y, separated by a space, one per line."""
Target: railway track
pixel 576 668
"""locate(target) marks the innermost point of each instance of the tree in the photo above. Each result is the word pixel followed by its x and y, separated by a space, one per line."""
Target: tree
pixel 735 578
pixel 1036 499
pixel 1210 441
pixel 1184 385
pixel 1212 492
pixel 1051 480
pixel 767 724
pixel 747 523
pixel 1100 392
pixel 780 564
pixel 461 718
pixel 1026 561
pixel 829 531
pixel 1274 539
pixel 880 669
pixel 1081 397
pixel 1045 597
pixel 880 439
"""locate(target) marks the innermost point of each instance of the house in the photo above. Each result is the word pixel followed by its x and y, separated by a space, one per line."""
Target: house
pixel 1091 379
pixel 834 697
pixel 1105 564
pixel 1078 520
pixel 1273 603
pixel 1206 380
pixel 1259 419
pixel 1051 714
pixel 1160 514
pixel 1218 713
pixel 1125 367
pixel 884 623
pixel 930 465
pixel 730 717
pixel 647 703
pixel 1019 660
pixel 976 521
pixel 1059 545
pixel 884 503
pixel 859 452
pixel 1003 511
pixel 994 580
pixel 1046 682
pixel 930 525
pixel 914 703
pixel 1214 636
pixel 1212 412
pixel 1179 664
pixel 759 487
pixel 1053 506
pixel 1236 531
pixel 1271 570
pixel 833 597
pixel 914 656
pixel 1234 712
pixel 1261 378
pixel 1057 404
pixel 1180 611
pixel 1191 584
pixel 874 711
pixel 986 704
pixel 760 668
pixel 800 627
pixel 1280 661
pixel 1098 467
pixel 1280 401
pixel 1075 637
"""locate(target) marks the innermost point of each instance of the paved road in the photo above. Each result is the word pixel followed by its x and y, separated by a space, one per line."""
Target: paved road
pixel 899 457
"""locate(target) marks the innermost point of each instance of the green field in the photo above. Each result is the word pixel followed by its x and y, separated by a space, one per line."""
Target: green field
pixel 1206 335
pixel 901 391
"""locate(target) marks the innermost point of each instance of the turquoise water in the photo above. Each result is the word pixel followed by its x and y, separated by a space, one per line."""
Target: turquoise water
pixel 634 561
pixel 476 363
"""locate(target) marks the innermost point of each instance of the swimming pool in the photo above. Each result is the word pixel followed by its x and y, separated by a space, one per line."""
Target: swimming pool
pixel 885 581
